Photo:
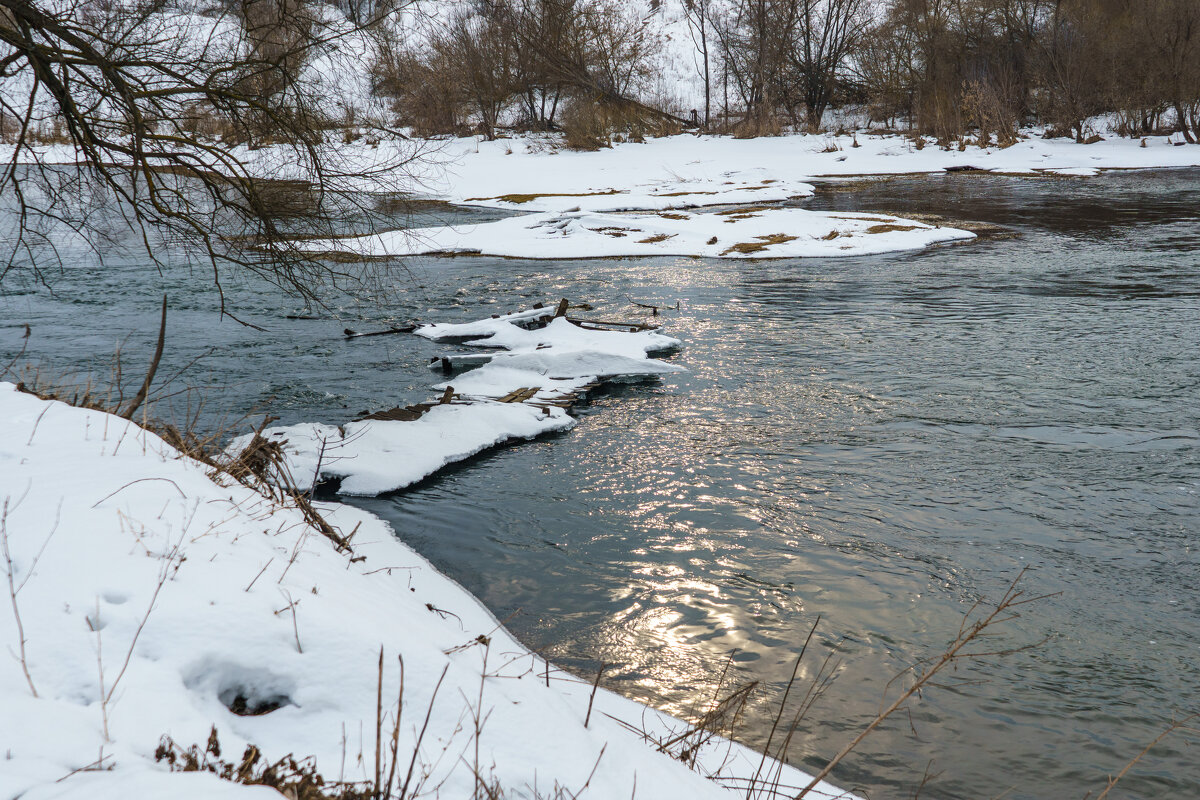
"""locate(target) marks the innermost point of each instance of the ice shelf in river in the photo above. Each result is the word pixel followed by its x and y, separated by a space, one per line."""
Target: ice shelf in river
pixel 543 361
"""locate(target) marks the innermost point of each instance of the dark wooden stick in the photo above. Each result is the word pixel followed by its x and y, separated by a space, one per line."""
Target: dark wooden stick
pixel 403 329
pixel 140 397
pixel 595 686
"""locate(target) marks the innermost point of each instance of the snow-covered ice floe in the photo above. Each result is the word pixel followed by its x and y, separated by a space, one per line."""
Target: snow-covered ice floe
pixel 559 334
pixel 744 232
pixel 372 457
pixel 145 579
pixel 550 357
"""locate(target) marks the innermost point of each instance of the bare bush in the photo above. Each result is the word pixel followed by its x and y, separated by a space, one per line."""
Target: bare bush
pixel 522 61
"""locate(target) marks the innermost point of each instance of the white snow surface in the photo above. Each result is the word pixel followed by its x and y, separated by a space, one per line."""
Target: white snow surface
pixel 110 529
pixel 751 232
pixel 716 170
pixel 560 335
pixel 554 375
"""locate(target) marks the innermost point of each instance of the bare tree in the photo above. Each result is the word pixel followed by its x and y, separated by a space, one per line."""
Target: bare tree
pixel 826 33
pixel 481 57
pixel 755 38
pixel 1171 30
pixel 698 18
pixel 128 87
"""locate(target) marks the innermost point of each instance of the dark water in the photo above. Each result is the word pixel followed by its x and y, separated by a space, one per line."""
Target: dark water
pixel 881 442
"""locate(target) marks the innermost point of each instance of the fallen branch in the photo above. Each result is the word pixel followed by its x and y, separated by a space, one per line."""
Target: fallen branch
pixel 356 335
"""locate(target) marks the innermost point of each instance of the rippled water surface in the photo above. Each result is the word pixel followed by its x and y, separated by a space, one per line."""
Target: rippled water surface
pixel 879 442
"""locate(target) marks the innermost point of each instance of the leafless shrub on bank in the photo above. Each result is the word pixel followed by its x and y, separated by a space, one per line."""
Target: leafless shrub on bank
pixel 524 62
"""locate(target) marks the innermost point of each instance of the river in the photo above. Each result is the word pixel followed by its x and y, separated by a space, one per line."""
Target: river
pixel 880 442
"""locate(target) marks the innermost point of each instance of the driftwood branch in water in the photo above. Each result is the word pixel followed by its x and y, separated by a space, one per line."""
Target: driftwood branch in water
pixel 355 335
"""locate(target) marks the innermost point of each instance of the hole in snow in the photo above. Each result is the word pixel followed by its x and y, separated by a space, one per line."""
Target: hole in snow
pixel 245 691
pixel 114 598
pixel 235 699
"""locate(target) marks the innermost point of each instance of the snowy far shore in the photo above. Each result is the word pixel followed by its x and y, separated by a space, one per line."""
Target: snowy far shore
pixel 628 200
pixel 154 598
pixel 599 203
pixel 533 173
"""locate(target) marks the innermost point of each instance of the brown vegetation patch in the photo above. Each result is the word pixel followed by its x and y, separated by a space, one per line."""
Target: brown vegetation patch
pixel 520 199
pixel 745 248
pixel 658 237
pixel 614 231
pixel 666 215
pixel 730 212
pixel 891 227
pixel 861 219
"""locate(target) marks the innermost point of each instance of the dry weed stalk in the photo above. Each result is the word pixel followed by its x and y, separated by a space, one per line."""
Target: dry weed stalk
pixel 10 574
pixel 140 397
pixel 1175 726
pixel 970 632
pixel 171 561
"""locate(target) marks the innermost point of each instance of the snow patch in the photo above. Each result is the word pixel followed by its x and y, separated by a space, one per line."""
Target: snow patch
pixel 748 232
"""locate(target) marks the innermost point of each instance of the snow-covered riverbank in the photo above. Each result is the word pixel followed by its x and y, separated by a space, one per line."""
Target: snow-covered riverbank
pixel 142 579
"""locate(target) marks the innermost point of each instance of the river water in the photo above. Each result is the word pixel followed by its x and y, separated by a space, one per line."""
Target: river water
pixel 879 442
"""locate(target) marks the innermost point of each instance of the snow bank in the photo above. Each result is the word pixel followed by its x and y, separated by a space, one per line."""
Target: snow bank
pixel 124 551
pixel 377 456
pixel 747 232
pixel 532 173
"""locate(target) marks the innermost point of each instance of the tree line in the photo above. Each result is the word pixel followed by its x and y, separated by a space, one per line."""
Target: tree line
pixel 946 68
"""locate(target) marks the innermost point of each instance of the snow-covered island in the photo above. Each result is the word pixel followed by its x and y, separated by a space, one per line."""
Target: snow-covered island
pixel 709 196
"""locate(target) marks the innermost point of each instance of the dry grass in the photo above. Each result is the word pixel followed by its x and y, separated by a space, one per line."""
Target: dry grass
pixel 658 237
pixel 891 227
pixel 860 218
pixel 261 466
pixel 746 248
pixel 521 199
pixel 614 231
pixel 736 212
pixel 296 779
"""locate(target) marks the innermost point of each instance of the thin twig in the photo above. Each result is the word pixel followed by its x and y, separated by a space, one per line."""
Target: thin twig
pixel 158 351
pixel 592 697
pixel 12 595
